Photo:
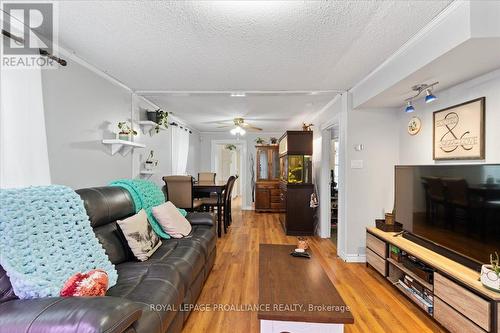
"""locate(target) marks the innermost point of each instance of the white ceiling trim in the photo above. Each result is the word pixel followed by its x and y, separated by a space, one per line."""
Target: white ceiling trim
pixel 256 92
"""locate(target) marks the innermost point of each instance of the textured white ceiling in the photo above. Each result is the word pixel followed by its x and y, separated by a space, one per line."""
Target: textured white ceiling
pixel 270 112
pixel 240 45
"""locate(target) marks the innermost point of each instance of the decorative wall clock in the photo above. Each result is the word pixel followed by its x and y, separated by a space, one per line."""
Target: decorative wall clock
pixel 414 125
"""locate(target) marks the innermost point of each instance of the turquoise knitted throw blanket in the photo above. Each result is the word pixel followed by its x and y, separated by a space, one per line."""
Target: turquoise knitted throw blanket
pixel 145 195
pixel 46 237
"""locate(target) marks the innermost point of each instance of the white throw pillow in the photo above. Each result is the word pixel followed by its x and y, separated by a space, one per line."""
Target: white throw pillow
pixel 171 220
pixel 140 237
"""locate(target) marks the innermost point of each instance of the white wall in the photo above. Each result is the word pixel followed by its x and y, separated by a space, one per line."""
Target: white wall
pixel 248 138
pixel 83 107
pixel 418 149
pixel 369 190
pixel 363 193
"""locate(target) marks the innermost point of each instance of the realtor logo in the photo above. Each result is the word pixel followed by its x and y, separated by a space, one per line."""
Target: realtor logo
pixel 28 34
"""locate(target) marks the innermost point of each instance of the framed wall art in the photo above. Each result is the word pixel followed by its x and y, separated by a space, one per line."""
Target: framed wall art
pixel 458 131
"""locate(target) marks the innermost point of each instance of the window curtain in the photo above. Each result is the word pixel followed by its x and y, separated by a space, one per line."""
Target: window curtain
pixel 180 150
pixel 24 159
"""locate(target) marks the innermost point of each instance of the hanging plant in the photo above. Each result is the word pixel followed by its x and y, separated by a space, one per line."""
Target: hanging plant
pixel 160 117
pixel 230 147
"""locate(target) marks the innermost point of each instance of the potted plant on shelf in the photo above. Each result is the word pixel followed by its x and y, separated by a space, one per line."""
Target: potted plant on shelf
pixel 159 117
pixel 230 147
pixel 273 140
pixel 260 141
pixel 150 161
pixel 126 131
pixel 490 274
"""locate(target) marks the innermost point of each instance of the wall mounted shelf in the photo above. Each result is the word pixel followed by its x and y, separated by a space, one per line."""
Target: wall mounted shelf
pixel 147 173
pixel 122 146
pixel 148 126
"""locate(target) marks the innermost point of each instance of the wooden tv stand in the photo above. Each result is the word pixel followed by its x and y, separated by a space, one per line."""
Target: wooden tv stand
pixel 461 302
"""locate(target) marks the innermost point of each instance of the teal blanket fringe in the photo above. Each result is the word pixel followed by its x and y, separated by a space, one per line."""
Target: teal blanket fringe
pixel 145 195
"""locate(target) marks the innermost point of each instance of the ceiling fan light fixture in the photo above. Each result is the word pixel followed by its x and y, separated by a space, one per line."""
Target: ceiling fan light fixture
pixel 238 130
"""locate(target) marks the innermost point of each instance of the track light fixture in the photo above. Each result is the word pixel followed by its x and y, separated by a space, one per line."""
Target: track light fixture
pixel 419 88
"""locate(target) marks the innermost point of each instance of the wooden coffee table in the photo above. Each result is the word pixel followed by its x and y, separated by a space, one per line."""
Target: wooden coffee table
pixel 296 295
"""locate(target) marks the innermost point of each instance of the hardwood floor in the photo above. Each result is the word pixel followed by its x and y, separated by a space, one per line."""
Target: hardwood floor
pixel 375 304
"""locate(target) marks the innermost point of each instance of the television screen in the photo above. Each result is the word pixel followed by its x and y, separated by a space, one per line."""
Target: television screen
pixel 454 206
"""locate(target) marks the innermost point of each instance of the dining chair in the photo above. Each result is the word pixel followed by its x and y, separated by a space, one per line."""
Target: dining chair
pixel 179 191
pixel 212 203
pixel 229 210
pixel 206 177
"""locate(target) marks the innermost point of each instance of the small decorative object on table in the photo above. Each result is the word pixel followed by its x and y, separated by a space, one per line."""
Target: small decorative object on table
pixel 490 274
pixel 389 218
pixel 394 227
pixel 302 246
pixel 150 162
pixel 273 140
pixel 126 131
pixel 302 243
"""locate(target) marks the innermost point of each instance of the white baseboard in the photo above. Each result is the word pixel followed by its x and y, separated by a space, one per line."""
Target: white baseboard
pixel 246 207
pixel 352 257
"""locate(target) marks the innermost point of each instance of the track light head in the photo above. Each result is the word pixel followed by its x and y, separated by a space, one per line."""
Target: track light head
pixel 429 96
pixel 409 107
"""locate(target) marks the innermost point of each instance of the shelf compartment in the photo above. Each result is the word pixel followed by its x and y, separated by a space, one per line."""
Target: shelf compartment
pixel 122 146
pixel 401 267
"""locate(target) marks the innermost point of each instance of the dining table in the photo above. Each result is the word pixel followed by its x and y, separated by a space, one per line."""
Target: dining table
pixel 212 187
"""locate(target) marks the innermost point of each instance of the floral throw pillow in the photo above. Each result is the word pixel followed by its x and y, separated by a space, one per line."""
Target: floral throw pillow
pixel 93 283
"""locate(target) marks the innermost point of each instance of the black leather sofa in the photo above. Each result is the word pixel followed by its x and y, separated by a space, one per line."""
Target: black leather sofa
pixel 151 296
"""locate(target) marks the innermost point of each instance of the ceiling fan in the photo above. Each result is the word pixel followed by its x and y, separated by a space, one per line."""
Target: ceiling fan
pixel 240 127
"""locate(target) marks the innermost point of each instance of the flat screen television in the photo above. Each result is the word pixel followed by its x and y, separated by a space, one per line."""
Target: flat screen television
pixel 452 209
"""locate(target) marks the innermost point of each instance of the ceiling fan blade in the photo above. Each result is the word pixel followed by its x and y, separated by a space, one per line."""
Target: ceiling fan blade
pixel 225 126
pixel 250 127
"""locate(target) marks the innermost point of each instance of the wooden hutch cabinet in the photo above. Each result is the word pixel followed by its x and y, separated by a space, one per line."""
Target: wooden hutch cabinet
pixel 296 187
pixel 267 193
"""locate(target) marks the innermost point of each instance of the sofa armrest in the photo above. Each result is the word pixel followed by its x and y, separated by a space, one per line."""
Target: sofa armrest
pixel 201 218
pixel 69 314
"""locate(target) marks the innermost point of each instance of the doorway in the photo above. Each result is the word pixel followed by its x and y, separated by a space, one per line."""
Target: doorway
pixel 229 158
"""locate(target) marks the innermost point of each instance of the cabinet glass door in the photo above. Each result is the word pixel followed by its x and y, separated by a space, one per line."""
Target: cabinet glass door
pixel 262 165
pixel 275 163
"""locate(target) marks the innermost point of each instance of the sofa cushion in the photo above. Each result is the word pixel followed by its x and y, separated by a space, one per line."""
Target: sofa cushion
pixel 203 236
pixel 187 258
pixel 157 287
